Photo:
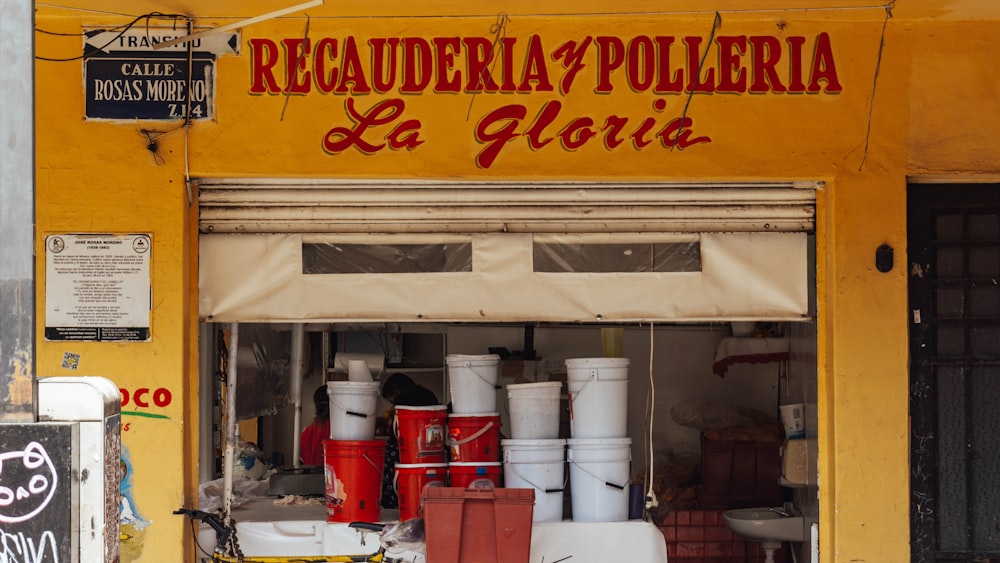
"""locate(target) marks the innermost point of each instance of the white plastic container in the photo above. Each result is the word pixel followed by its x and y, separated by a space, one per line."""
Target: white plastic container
pixel 473 382
pixel 357 370
pixel 534 410
pixel 598 394
pixel 539 465
pixel 298 538
pixel 599 478
pixel 793 418
pixel 352 409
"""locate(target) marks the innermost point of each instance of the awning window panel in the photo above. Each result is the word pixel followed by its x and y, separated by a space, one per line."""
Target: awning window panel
pixel 354 258
pixel 617 257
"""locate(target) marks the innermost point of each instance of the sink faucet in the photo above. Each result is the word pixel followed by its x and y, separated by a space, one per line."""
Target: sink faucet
pixel 785 511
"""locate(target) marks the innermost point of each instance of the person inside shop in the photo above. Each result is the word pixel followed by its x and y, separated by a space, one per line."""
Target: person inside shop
pixel 311 439
pixel 400 390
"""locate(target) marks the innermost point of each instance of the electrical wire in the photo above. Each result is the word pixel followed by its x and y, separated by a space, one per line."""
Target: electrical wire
pixel 633 13
pixel 878 66
pixel 88 33
pixel 194 534
pixel 122 30
pixel 187 116
pixel 651 501
pixel 299 62
pixel 716 24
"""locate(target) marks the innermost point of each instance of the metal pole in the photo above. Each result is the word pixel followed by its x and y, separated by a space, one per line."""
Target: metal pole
pixel 298 345
pixel 229 457
pixel 18 389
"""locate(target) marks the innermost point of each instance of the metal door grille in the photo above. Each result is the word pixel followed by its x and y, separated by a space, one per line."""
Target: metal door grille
pixel 954 269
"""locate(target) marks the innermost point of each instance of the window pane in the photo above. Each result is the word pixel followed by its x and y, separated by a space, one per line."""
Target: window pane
pixel 951 450
pixel 950 302
pixel 334 258
pixel 985 342
pixel 984 262
pixel 949 227
pixel 950 341
pixel 984 227
pixel 984 302
pixel 628 257
pixel 984 456
pixel 949 262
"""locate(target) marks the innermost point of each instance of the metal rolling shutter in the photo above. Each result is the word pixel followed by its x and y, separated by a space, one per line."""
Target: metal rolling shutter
pixel 380 206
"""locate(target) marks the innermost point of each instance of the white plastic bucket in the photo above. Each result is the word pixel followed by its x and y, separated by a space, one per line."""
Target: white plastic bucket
pixel 599 478
pixel 352 409
pixel 534 410
pixel 473 382
pixel 598 397
pixel 539 465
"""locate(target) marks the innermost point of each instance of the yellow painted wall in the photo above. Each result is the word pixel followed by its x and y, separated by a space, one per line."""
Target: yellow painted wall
pixel 101 178
pixel 918 101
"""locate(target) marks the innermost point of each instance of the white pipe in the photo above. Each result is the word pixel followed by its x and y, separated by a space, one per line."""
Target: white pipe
pixel 298 342
pixel 229 456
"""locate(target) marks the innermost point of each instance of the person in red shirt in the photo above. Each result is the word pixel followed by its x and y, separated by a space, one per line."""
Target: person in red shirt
pixel 311 440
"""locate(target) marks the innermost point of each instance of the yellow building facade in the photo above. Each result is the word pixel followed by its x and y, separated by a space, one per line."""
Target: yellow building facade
pixel 864 98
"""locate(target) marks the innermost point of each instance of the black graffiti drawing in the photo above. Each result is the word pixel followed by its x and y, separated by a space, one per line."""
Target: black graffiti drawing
pixel 27 483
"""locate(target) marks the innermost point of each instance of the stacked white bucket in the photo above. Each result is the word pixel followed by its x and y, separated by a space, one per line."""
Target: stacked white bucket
pixel 353 403
pixel 599 451
pixel 534 457
pixel 353 407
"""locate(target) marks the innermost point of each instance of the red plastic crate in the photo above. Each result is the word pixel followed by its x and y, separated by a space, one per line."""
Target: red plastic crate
pixel 478 525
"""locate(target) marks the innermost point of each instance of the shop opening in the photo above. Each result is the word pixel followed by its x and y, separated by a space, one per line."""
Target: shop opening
pixel 706 290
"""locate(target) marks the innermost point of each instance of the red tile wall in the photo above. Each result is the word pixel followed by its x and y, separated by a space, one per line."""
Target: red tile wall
pixel 701 536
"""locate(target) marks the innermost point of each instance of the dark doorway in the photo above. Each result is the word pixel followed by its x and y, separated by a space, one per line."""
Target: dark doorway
pixel 954 291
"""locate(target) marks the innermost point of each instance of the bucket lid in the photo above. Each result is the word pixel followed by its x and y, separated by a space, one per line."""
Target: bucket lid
pixel 354 443
pixel 474 415
pixel 424 408
pixel 598 442
pixel 420 465
pixel 474 464
pixel 461 358
pixel 537 443
pixel 539 385
pixel 352 385
pixel 596 362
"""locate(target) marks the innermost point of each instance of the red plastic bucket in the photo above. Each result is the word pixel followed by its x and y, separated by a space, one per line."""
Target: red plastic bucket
pixel 484 475
pixel 410 481
pixel 352 472
pixel 474 438
pixel 421 433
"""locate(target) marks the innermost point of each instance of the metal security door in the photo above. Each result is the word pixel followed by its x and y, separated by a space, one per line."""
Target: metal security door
pixel 954 271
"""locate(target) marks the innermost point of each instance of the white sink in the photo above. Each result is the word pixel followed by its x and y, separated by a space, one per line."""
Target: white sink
pixel 763 525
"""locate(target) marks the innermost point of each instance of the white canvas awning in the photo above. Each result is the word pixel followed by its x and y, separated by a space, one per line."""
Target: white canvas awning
pixel 265 245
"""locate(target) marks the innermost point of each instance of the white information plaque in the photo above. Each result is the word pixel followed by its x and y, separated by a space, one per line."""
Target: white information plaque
pixel 97 287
